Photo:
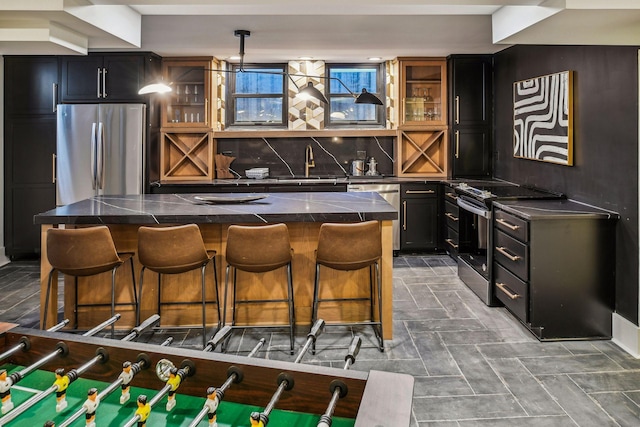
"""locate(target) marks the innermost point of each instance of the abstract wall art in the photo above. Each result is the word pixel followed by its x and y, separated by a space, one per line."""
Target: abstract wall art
pixel 543 118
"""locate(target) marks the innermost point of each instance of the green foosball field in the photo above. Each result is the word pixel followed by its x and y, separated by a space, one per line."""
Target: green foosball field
pixel 111 413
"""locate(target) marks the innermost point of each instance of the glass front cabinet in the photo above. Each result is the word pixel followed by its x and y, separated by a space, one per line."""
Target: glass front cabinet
pixel 423 92
pixel 190 101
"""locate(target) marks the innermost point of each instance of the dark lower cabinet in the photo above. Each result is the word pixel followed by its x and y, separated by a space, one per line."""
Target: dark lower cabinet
pixel 419 217
pixel 471 152
pixel 554 267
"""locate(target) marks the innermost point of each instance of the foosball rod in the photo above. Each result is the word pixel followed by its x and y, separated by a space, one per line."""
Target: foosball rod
pixel 143 363
pixel 221 335
pixel 61 350
pixel 187 369
pixel 25 343
pixel 234 375
pixel 338 387
pixel 285 381
pixel 101 356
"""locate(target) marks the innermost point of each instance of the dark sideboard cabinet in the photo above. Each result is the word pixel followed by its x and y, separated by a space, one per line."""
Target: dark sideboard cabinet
pixel 555 267
pixel 30 89
pixel 470 115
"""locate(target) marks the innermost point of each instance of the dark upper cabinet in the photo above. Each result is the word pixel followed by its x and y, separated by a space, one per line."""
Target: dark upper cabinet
pixel 106 77
pixel 31 84
pixel 470 115
pixel 419 217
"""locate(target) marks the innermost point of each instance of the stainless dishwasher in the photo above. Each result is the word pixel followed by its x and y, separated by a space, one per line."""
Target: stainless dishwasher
pixel 389 192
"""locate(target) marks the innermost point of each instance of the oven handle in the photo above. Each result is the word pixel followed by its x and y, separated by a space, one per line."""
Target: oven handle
pixel 485 213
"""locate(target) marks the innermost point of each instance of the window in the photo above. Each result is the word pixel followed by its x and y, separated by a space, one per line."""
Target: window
pixel 257 95
pixel 342 110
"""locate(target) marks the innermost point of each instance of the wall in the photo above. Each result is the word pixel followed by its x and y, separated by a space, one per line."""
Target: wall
pixel 605 171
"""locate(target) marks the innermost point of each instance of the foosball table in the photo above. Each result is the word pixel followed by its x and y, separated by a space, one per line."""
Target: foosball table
pixel 373 398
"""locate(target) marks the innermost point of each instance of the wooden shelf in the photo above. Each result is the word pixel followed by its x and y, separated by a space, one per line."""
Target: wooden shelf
pixel 186 156
pixel 423 153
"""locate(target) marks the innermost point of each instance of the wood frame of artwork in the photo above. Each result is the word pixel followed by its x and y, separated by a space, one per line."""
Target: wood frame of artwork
pixel 543 118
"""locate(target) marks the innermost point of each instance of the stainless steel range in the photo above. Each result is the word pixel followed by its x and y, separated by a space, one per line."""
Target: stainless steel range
pixel 475 200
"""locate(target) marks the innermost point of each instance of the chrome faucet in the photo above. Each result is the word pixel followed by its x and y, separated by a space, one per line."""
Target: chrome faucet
pixel 308 160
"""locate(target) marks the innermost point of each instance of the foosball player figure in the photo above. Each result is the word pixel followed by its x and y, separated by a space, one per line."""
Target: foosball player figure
pixel 126 376
pixel 143 411
pixel 61 382
pixel 90 405
pixel 49 424
pixel 5 391
pixel 173 381
pixel 212 402
pixel 255 420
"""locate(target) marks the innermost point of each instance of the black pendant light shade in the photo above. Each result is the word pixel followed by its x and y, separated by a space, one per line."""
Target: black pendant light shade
pixel 310 91
pixel 367 98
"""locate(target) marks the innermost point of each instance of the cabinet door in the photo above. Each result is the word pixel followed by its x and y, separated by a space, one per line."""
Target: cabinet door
pixel 188 105
pixel 419 217
pixel 471 91
pixel 81 79
pixel 423 92
pixel 31 85
pixel 124 76
pixel 30 143
pixel 471 153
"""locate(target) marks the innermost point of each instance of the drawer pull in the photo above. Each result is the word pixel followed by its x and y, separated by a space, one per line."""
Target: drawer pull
pixel 506 224
pixel 419 192
pixel 453 218
pixel 452 196
pixel 453 245
pixel 503 251
pixel 504 289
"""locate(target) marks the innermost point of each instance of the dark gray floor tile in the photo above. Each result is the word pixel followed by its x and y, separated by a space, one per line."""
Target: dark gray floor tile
pixel 422 314
pixel 436 356
pixel 622 409
pixel 581 347
pixel 481 377
pixel 456 308
pixel 441 386
pixel 565 364
pixel 527 349
pixel 583 410
pixel 423 296
pixel 438 424
pixel 402 346
pixel 444 325
pixel 634 396
pixel 481 337
pixel 466 407
pixel 622 358
pixel 411 367
pixel 552 421
pixel 608 381
pixel 526 389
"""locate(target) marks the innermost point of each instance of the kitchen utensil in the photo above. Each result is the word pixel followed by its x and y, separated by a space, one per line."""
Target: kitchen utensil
pixel 373 167
pixel 357 167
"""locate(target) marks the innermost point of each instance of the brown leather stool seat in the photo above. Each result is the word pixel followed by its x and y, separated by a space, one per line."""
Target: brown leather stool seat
pixel 349 247
pixel 176 250
pixel 259 249
pixel 84 252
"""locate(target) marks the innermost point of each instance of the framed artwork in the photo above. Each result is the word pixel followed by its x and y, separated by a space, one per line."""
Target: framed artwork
pixel 543 118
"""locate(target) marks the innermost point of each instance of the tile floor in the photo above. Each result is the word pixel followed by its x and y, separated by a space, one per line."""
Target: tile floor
pixel 473 365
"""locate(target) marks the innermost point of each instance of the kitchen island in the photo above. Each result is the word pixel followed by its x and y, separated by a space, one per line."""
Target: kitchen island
pixel 302 212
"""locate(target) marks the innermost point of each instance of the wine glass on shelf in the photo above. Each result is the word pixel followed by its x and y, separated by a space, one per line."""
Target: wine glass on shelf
pixel 178 94
pixel 187 92
pixel 427 95
pixel 195 93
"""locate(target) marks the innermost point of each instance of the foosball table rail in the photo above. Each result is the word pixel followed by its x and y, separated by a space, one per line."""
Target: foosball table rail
pixel 370 395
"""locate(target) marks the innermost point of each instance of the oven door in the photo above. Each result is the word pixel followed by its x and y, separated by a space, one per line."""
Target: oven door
pixel 474 265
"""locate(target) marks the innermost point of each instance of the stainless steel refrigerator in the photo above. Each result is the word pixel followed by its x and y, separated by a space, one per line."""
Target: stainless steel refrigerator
pixel 100 150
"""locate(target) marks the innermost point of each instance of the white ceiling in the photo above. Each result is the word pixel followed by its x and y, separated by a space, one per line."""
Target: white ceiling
pixel 331 30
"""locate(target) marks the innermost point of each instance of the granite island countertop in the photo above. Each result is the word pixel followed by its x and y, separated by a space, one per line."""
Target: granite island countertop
pixel 554 209
pixel 186 208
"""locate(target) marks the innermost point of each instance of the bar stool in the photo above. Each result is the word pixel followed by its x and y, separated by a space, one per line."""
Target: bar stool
pixel 177 250
pixel 349 247
pixel 259 249
pixel 84 252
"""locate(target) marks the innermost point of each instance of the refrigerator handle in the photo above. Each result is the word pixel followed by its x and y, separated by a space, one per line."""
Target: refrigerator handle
pixel 53 168
pixel 100 157
pixel 104 82
pixel 94 143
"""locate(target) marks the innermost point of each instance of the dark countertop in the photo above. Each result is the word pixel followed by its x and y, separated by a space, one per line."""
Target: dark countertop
pixel 298 181
pixel 184 208
pixel 553 209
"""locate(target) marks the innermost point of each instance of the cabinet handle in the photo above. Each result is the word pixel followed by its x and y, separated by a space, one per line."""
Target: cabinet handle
pixel 457 109
pixel 453 245
pixel 457 144
pixel 504 289
pixel 98 83
pixel 503 251
pixel 104 82
pixel 55 97
pixel 451 196
pixel 419 192
pixel 453 218
pixel 53 168
pixel 507 224
pixel 404 215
